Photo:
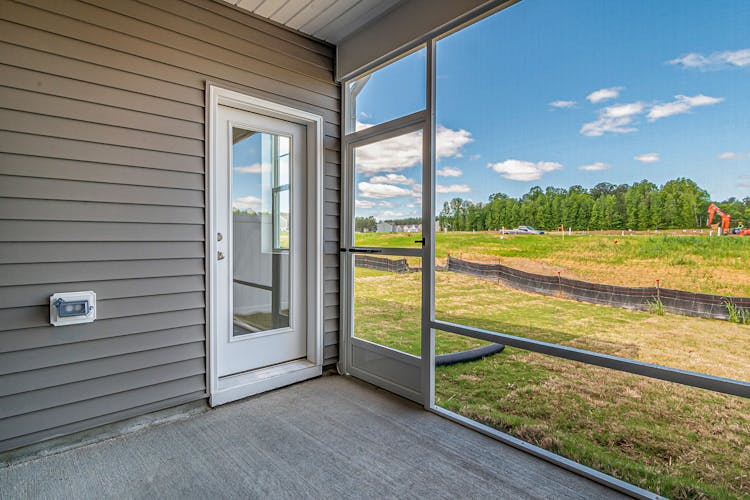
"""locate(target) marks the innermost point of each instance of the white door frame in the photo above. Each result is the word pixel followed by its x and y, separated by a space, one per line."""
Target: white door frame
pixel 225 389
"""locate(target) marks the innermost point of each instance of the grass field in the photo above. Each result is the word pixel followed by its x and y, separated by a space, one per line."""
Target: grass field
pixel 717 265
pixel 678 441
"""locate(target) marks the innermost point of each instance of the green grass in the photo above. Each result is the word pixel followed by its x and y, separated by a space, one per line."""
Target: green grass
pixel 677 441
pixel 661 247
pixel 702 264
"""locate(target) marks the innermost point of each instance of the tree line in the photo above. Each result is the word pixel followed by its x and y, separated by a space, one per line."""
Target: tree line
pixel 370 225
pixel 678 204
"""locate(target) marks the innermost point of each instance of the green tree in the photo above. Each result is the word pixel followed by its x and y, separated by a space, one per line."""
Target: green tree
pixel 365 224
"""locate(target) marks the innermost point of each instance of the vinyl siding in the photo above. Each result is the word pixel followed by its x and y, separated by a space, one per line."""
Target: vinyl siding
pixel 102 140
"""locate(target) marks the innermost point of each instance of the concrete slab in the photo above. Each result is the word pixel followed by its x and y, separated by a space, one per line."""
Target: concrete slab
pixel 329 437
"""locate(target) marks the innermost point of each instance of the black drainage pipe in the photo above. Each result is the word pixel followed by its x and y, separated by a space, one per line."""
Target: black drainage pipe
pixel 470 355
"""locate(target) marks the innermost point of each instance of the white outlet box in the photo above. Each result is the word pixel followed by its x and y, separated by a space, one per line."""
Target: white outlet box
pixel 72 308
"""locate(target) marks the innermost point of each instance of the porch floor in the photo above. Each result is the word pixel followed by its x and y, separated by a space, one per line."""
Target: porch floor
pixel 329 437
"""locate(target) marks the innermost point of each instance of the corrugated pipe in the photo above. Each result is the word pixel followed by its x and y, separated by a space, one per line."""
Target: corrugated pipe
pixel 470 355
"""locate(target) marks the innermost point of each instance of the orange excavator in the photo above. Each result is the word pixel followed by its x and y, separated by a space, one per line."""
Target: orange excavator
pixel 723 228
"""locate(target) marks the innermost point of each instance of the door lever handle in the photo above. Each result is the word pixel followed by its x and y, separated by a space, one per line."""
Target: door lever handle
pixel 220 256
pixel 422 241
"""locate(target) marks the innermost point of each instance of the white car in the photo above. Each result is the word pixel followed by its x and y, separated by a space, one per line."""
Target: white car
pixel 524 230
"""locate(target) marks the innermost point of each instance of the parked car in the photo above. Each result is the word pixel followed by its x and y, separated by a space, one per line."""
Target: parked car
pixel 524 230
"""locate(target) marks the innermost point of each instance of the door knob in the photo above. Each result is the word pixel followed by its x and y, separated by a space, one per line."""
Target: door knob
pixel 219 237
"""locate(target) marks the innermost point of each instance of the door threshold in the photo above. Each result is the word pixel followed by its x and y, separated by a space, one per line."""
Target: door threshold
pixel 242 385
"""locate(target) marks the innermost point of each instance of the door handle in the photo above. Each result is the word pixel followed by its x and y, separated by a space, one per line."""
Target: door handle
pixel 220 256
pixel 364 250
pixel 422 241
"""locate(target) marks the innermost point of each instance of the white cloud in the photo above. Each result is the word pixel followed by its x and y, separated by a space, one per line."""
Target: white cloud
pixel 391 179
pixel 448 142
pixel 391 155
pixel 247 203
pixel 594 167
pixel 358 125
pixel 386 204
pixel 453 188
pixel 255 168
pixel 405 151
pixel 604 94
pixel 364 115
pixel 728 155
pixel 681 104
pixel 475 157
pixel 717 60
pixel 648 158
pixel 619 118
pixel 520 170
pixel 562 104
pixel 389 214
pixel 614 119
pixel 624 110
pixel 450 172
pixel 363 204
pixel 368 190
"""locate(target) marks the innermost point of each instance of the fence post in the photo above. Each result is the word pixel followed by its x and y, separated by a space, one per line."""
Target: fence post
pixel 559 284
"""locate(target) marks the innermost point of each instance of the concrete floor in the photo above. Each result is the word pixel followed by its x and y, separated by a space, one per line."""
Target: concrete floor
pixel 329 437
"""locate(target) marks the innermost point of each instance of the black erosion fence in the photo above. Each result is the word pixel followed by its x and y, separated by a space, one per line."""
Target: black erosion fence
pixel 638 298
pixel 382 264
pixel 641 298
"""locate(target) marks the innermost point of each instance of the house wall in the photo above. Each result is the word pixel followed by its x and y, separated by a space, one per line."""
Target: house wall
pixel 102 130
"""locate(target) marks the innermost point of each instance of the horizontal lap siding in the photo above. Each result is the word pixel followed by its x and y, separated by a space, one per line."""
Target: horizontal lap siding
pixel 102 129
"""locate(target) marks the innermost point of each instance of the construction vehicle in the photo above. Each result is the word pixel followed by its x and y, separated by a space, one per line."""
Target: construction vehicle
pixel 723 227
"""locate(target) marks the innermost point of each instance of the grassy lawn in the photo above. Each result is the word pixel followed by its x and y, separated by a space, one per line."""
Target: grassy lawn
pixel 387 309
pixel 675 440
pixel 718 265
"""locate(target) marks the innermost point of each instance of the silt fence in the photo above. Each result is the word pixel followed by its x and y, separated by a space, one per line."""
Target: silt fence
pixel 382 264
pixel 639 298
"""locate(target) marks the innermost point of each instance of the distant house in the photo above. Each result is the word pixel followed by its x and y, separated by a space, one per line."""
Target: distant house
pixel 408 228
pixel 385 227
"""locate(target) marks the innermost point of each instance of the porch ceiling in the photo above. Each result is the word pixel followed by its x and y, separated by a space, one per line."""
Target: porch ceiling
pixel 329 20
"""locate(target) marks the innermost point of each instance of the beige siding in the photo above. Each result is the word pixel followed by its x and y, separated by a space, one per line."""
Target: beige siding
pixel 102 187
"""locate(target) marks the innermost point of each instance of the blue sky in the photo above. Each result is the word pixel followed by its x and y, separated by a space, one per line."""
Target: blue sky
pixel 575 92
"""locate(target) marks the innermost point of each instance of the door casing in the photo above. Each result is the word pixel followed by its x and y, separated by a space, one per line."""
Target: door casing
pixel 225 389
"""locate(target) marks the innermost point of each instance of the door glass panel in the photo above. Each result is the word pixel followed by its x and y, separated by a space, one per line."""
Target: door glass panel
pixel 388 301
pixel 260 229
pixel 388 192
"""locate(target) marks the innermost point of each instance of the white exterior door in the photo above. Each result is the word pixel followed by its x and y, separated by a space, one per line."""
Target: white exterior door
pixel 260 264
